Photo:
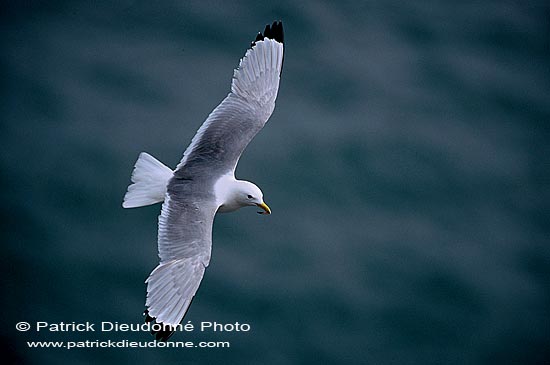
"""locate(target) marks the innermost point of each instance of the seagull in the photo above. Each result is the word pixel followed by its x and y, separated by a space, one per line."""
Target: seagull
pixel 204 182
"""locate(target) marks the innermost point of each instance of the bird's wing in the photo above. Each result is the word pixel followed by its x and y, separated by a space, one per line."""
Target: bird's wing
pixel 224 135
pixel 184 244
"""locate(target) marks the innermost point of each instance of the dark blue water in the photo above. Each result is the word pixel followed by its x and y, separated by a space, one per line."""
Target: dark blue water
pixel 406 165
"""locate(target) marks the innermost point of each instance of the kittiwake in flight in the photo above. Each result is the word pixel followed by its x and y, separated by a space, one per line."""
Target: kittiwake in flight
pixel 204 182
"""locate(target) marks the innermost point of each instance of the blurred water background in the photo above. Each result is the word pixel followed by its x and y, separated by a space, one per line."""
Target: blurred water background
pixel 406 165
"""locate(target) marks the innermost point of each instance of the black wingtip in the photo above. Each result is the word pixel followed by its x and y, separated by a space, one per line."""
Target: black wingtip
pixel 273 31
pixel 160 335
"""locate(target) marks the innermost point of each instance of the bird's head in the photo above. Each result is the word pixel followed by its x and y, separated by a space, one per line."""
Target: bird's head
pixel 251 195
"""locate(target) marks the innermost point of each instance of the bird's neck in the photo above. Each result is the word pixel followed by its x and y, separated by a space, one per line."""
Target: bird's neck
pixel 226 191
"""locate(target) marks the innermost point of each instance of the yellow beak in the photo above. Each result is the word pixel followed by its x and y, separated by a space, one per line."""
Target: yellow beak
pixel 265 208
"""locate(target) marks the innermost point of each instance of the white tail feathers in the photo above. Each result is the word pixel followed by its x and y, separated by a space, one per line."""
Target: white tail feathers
pixel 149 178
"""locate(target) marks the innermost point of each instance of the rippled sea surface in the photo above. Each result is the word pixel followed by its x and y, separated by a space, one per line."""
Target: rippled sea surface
pixel 406 165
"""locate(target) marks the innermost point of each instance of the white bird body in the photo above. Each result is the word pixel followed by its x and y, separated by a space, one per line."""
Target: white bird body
pixel 204 183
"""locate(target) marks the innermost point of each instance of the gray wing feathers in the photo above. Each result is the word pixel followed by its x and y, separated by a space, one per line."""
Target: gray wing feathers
pixel 185 227
pixel 231 126
pixel 221 140
pixel 257 77
pixel 184 243
pixel 171 288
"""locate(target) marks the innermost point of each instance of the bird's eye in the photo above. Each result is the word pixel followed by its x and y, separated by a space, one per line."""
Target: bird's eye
pixel 249 196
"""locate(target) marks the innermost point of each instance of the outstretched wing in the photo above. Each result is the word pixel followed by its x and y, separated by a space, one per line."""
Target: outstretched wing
pixel 224 135
pixel 184 243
